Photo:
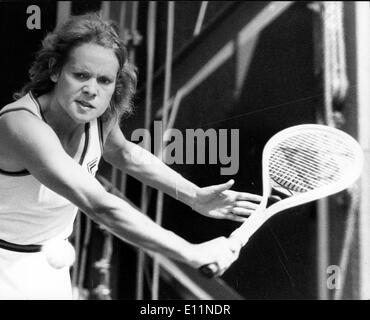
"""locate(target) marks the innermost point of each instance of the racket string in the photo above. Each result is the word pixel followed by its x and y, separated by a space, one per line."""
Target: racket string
pixel 328 152
pixel 301 180
pixel 320 142
pixel 309 161
pixel 306 151
pixel 303 171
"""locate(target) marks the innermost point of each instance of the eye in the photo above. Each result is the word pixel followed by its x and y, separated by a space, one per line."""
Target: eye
pixel 81 75
pixel 105 80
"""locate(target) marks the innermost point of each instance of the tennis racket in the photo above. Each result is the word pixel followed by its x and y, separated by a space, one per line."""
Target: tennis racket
pixel 302 164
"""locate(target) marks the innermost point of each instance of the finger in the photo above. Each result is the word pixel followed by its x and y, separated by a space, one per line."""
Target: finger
pixel 224 213
pixel 246 205
pixel 242 212
pixel 223 187
pixel 225 263
pixel 236 218
pixel 248 197
pixel 221 270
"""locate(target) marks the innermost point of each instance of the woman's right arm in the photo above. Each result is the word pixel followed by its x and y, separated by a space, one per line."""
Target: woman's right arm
pixel 31 144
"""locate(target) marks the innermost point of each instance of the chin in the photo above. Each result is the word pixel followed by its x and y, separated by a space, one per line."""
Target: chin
pixel 82 119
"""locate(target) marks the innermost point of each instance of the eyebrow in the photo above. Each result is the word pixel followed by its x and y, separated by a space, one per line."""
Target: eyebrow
pixel 87 70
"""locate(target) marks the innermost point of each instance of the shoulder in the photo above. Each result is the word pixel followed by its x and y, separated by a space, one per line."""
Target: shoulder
pixel 19 118
pixel 107 126
pixel 24 137
pixel 25 103
pixel 23 127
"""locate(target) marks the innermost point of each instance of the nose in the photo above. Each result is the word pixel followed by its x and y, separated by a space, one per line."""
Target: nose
pixel 90 88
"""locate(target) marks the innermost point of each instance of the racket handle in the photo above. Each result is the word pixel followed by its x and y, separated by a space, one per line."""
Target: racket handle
pixel 209 270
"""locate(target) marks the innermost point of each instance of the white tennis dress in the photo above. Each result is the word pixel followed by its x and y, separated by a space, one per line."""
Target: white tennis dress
pixel 32 214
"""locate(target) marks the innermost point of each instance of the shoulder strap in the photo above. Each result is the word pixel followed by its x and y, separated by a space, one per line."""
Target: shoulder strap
pixel 26 103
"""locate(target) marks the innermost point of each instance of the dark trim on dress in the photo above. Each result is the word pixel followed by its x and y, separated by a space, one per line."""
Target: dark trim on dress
pixel 87 140
pixel 100 129
pixel 15 173
pixel 38 105
pixel 17 109
pixel 20 247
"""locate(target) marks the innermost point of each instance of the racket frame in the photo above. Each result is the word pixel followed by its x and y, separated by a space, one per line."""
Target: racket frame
pixel 249 227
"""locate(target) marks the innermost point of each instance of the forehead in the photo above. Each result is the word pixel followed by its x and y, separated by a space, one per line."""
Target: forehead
pixel 94 58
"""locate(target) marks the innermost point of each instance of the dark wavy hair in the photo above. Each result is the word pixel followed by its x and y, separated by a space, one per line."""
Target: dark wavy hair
pixel 56 47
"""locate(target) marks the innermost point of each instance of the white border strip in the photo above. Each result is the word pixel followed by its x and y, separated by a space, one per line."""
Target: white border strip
pixel 362 20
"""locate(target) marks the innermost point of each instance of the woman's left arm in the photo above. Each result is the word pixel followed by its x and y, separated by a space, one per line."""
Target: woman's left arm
pixel 214 201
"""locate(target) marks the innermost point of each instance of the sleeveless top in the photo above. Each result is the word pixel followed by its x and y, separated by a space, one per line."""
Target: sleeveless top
pixel 31 213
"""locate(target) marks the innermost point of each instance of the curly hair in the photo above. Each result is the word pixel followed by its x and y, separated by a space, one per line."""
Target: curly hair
pixel 56 47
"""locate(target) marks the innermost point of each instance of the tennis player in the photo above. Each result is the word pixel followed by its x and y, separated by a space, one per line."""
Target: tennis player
pixel 51 140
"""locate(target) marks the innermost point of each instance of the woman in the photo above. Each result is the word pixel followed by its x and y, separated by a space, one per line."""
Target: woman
pixel 51 140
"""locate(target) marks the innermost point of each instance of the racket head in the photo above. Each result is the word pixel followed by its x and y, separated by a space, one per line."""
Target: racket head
pixel 309 162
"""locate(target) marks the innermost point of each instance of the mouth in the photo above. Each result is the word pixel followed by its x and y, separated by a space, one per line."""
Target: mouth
pixel 85 104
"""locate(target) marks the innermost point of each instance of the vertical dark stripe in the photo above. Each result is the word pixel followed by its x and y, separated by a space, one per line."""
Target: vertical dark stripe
pixel 100 129
pixel 87 139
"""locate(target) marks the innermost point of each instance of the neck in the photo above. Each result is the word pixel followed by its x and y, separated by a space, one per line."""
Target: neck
pixel 58 119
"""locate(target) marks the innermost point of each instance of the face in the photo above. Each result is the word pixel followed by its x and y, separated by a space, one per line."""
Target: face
pixel 86 83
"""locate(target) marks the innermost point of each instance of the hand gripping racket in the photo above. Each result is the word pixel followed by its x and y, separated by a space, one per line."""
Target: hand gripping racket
pixel 304 163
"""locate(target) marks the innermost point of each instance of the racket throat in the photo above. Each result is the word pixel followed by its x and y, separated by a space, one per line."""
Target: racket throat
pixel 277 194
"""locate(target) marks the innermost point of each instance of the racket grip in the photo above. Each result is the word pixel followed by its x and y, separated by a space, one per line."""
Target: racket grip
pixel 209 270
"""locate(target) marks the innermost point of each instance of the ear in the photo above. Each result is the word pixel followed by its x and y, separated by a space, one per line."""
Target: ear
pixel 54 75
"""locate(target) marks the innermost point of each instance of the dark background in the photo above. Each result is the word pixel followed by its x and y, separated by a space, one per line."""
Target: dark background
pixel 279 90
